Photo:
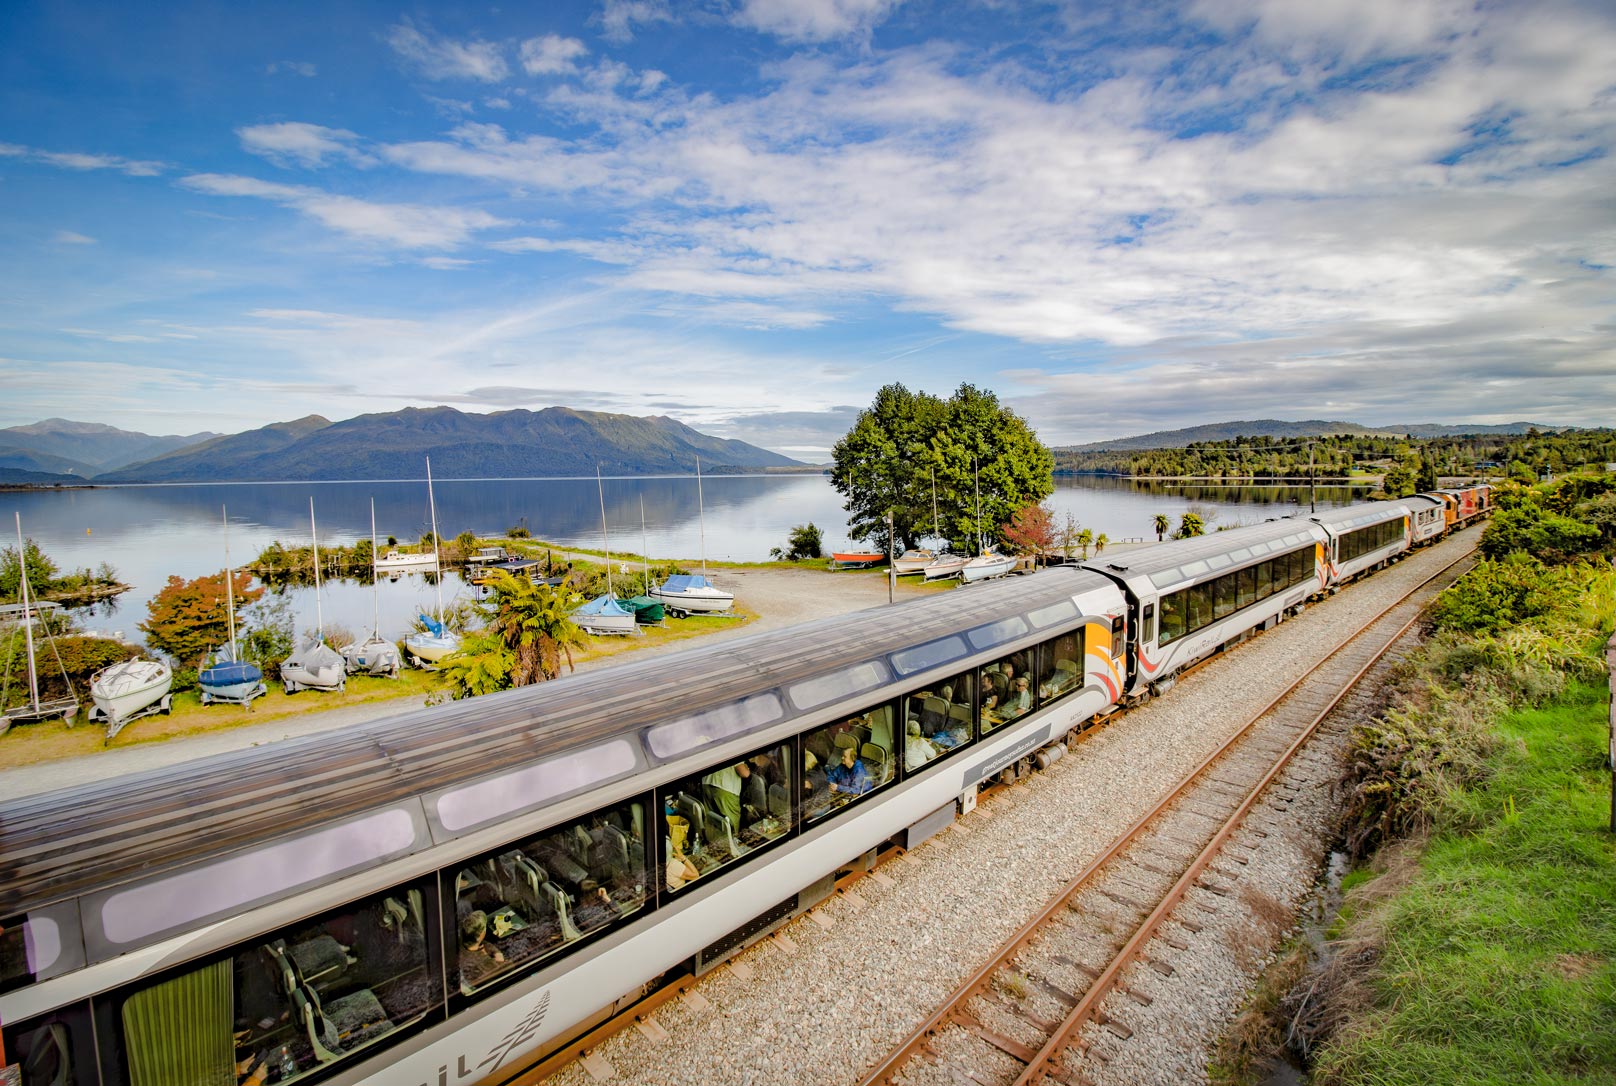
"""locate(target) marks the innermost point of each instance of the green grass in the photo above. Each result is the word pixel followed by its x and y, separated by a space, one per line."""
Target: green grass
pixel 1498 962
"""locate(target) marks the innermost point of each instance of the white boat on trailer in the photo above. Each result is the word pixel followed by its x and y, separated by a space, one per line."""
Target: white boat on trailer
pixel 985 566
pixel 944 565
pixel 375 655
pixel 692 593
pixel 315 666
pixel 226 677
pixel 604 615
pixel 914 560
pixel 129 691
pixel 437 641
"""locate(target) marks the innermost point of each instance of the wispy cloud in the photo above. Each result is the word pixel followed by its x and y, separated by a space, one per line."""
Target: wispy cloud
pixel 69 237
pixel 814 20
pixel 440 58
pixel 293 143
pixel 294 67
pixel 73 160
pixel 619 18
pixel 405 226
pixel 552 55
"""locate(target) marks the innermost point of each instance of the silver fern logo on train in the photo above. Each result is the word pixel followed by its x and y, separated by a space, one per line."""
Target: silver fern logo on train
pixel 520 1035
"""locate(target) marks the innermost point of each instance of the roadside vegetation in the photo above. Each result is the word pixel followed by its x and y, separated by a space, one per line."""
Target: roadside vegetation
pixel 1477 943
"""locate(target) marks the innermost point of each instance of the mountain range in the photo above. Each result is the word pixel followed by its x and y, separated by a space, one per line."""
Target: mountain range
pixel 557 441
pixel 85 449
pixel 1276 428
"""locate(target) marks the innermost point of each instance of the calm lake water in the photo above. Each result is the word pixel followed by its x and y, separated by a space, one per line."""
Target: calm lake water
pixel 148 533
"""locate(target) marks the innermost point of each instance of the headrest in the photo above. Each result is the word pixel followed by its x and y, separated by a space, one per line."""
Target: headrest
pixel 845 740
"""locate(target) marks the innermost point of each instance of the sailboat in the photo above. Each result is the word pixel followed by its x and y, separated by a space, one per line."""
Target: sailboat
pixel 916 559
pixel 437 641
pixel 376 655
pixel 315 666
pixel 688 593
pixel 36 707
pixel 988 562
pixel 647 611
pixel 603 614
pixel 226 677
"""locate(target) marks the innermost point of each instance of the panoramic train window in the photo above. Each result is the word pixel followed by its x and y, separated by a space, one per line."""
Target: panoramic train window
pixel 526 902
pixel 1172 618
pixel 286 1004
pixel 1356 544
pixel 847 759
pixel 1060 666
pixel 940 717
pixel 1006 691
pixel 714 818
pixel 1194 608
pixel 54 1050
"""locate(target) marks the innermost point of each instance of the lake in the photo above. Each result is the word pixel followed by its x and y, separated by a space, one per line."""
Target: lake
pixel 148 533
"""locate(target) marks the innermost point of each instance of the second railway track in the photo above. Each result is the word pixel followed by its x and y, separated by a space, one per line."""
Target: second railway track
pixel 1020 1018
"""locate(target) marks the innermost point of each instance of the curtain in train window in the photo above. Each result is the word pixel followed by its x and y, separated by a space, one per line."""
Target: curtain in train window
pixel 939 717
pixel 718 816
pixel 1007 692
pixel 532 899
pixel 289 1003
pixel 848 759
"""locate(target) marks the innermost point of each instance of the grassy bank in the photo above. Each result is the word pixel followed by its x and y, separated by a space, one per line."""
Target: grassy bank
pixel 1496 963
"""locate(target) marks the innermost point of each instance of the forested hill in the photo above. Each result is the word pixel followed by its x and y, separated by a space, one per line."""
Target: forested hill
pixel 1276 428
pixel 555 441
pixel 66 447
pixel 1528 455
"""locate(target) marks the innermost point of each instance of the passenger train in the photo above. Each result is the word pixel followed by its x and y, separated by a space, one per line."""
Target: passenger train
pixel 446 895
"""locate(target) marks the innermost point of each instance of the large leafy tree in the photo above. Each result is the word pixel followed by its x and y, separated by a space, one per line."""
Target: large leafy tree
pixel 527 635
pixel 41 570
pixel 188 618
pixel 906 443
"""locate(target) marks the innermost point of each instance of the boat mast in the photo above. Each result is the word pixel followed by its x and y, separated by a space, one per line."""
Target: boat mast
pixel 936 525
pixel 27 619
pixel 606 539
pixel 375 588
pixel 701 512
pixel 319 610
pixel 645 546
pixel 977 471
pixel 437 562
pixel 229 583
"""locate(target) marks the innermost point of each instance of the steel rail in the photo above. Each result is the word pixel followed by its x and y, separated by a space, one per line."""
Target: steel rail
pixel 884 1071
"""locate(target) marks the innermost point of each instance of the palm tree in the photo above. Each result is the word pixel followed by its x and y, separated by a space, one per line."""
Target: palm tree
pixel 1161 525
pixel 528 634
pixel 1099 543
pixel 1190 526
pixel 1084 538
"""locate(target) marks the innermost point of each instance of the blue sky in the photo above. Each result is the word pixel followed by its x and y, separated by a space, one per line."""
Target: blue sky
pixel 751 214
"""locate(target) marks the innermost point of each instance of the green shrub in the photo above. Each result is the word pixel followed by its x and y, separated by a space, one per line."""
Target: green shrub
pixel 1544 535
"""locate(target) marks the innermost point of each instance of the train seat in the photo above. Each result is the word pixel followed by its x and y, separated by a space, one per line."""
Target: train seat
pixel 779 802
pixel 320 959
pixel 720 832
pixel 880 761
pixel 560 904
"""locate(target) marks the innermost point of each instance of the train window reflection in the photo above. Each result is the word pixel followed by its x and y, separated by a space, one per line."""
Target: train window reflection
pixel 940 718
pixel 714 818
pixel 291 1003
pixel 528 901
pixel 846 760
pixel 1060 666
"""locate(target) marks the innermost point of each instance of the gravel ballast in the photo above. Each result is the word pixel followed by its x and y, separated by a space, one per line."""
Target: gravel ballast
pixel 849 981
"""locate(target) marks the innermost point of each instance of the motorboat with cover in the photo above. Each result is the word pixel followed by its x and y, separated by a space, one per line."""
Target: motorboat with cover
pixel 315 666
pixel 128 691
pixel 228 680
pixel 604 615
pixel 226 677
pixel 647 611
pixel 397 560
pixel 691 593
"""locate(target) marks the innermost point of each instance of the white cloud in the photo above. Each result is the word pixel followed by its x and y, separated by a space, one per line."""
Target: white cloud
pixel 443 58
pixel 405 226
pixel 552 55
pixel 296 67
pixel 619 17
pixel 309 145
pixel 69 237
pixel 814 20
pixel 73 160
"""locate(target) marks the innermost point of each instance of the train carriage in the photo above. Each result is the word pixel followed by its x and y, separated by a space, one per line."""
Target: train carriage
pixel 1190 597
pixel 1362 538
pixel 1428 517
pixel 432 897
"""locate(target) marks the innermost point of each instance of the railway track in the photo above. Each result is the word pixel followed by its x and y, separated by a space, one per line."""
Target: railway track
pixel 1020 1018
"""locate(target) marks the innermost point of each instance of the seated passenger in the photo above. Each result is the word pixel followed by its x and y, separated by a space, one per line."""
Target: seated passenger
pixel 1021 700
pixel 850 775
pixel 916 750
pixel 474 935
pixel 681 871
pixel 814 778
